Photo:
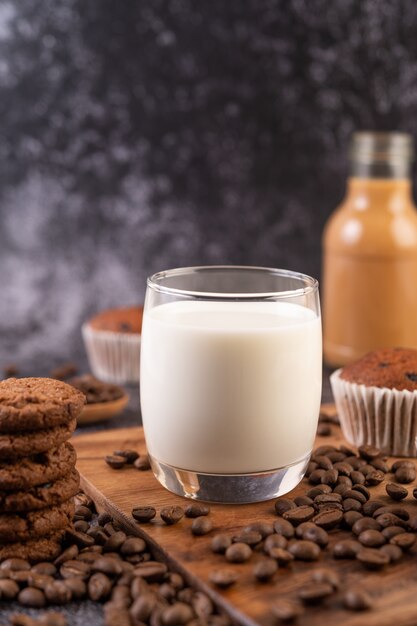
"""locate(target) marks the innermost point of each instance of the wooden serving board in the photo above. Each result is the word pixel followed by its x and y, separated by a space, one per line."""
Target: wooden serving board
pixel 394 590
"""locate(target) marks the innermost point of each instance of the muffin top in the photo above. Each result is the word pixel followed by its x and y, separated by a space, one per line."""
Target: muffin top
pixel 395 368
pixel 126 320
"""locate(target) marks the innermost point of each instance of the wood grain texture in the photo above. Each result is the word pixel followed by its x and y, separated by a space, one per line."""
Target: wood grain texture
pixel 248 602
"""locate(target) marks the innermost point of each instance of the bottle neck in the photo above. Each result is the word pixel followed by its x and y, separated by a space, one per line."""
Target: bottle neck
pixel 399 168
pixel 394 194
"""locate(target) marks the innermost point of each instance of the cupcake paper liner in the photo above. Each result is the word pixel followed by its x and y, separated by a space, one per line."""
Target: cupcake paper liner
pixel 385 418
pixel 113 357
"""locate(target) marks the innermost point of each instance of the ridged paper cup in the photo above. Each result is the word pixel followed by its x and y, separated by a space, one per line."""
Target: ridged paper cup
pixel 378 416
pixel 113 357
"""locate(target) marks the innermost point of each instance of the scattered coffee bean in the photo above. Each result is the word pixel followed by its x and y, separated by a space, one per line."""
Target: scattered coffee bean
pixel 395 466
pixel 265 569
pixel 328 519
pixel 399 511
pixel 371 538
pixel 220 543
pixel 115 462
pixel 104 518
pixel 99 587
pixel 374 478
pixel 391 531
pixel 317 535
pixel 372 558
pixel 389 519
pixel 346 549
pixel 282 556
pixel 303 501
pixel 315 476
pixel 252 538
pixel 350 517
pixel 15 565
pixel 274 541
pixel 129 455
pixel 313 492
pixel 195 509
pixel 283 505
pixel 355 495
pixel 238 553
pixel 285 611
pixel 82 540
pixel 8 589
pixel 142 463
pixel 394 553
pixel 115 541
pixel 328 576
pixel 284 528
pixel 351 504
pixel 330 477
pixel 263 528
pixel 143 514
pixel 142 607
pixel 177 614
pixel 357 477
pixel 368 452
pixel 405 475
pixel 363 490
pixel 304 550
pixel 57 592
pixel 365 523
pixel 108 565
pixel 403 540
pixel 357 600
pixel 151 571
pixel 223 577
pixel 299 515
pixel 201 526
pixel 314 593
pixel 45 568
pixel 32 597
pixel 78 588
pixel 171 514
pixel 371 506
pixel 380 464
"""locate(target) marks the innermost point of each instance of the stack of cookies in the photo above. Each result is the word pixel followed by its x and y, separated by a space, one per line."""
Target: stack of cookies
pixel 38 478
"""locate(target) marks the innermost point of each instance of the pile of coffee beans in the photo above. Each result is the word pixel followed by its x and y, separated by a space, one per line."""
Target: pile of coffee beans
pixel 128 458
pixel 101 562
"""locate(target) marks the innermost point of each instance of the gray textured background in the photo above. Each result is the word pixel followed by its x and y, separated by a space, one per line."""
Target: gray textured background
pixel 142 135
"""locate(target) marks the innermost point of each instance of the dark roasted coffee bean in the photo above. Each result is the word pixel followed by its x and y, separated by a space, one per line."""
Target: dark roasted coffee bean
pixel 299 515
pixel 81 526
pixel 238 553
pixel 346 549
pixel 343 468
pixel 363 490
pixel 67 555
pixel 325 575
pixel 129 455
pixel 391 531
pixel 372 558
pixel 371 506
pixel 77 587
pixel 304 550
pixel 311 467
pixel 324 430
pixel 328 519
pixel 151 571
pixel 283 505
pixel 99 587
pixel 75 568
pixel 107 565
pixel 371 538
pixel 346 450
pixel 142 463
pixel 282 556
pixel 315 476
pixel 405 475
pixel 374 478
pixel 31 597
pixel 202 605
pixel 394 553
pixel 223 577
pixel 115 462
pixel 319 489
pixel 351 504
pixel 403 463
pixel 274 541
pixel 341 488
pixel 369 452
pixel 83 512
pixel 314 593
pixel 40 581
pixel 57 592
pixel 133 545
pixel 177 614
pixel 303 501
pixel 325 498
pixel 323 461
pixel 357 477
pixel 195 509
pixel 412 524
pixel 8 589
pixel 220 543
pixel 265 569
pixel 171 514
pixel 357 600
pixel 365 523
pixel 355 462
pixel 104 518
pixel 263 528
pixel 21 577
pixel 284 611
pixel 317 535
pixel 143 514
pixel 355 495
pixel 330 477
pixel 389 519
pixel 115 541
pixel 302 527
pixel 403 540
pixel 47 569
pixel 380 465
pixel 201 526
pixel 250 537
pixel 285 528
pixel 142 607
pixel 350 517
pixel 15 565
pixel 82 540
pixel 395 509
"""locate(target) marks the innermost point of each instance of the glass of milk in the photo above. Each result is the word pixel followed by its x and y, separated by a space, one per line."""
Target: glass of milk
pixel 230 381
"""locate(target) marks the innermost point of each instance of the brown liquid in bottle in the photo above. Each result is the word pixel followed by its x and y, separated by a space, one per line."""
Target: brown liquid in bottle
pixel 370 254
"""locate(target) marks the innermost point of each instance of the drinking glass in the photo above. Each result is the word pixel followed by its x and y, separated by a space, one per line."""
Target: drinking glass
pixel 230 380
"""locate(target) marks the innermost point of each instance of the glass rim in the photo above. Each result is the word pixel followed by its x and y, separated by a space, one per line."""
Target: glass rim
pixel 310 284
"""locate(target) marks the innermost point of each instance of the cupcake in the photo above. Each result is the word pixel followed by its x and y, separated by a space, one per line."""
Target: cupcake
pixel 376 399
pixel 112 341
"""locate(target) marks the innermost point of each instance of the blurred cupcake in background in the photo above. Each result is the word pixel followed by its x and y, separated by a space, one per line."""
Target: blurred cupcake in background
pixel 112 341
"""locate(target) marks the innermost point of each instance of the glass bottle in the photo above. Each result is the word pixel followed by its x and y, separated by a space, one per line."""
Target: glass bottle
pixel 370 253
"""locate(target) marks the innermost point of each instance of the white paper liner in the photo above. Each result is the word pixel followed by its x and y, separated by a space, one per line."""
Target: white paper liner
pixel 385 418
pixel 113 357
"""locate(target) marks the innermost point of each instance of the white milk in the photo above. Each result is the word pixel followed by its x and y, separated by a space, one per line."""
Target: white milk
pixel 230 387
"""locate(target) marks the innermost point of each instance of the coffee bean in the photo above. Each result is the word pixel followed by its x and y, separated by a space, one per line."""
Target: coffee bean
pixel 399 511
pixel 220 543
pixel 283 505
pixel 354 494
pixel 357 477
pixel 303 501
pixel 284 528
pixel 374 478
pixel 82 540
pixel 350 517
pixel 99 587
pixel 81 525
pixel 328 418
pixel 107 565
pixel 143 514
pixel 324 430
pixel 351 504
pixel 67 555
pixel 314 593
pixel 380 464
pixel 357 600
pixel 265 569
pixel 282 556
pixel 151 571
pixel 315 477
pixel 129 455
pixel 403 540
pixel 343 468
pixel 143 463
pixel 75 568
pixel 326 498
pixel 238 553
pixel 83 512
pixel 195 509
pixel 323 461
pixel 372 558
pixel 115 541
pixel 31 597
pixel 346 549
pixel 142 607
pixel 104 518
pixel 389 519
pixel 365 523
pixel 202 605
pixel 328 576
pixel 177 614
pixel 391 531
pixel 394 553
pixel 21 577
pixel 305 550
pixel 328 519
pixel 405 475
pixel 223 577
pixel 40 581
pixel 355 462
pixel 47 569
pixel 285 611
pixel 251 537
pixel 330 477
pixel 15 565
pixel 77 587
pixel 263 528
pixel 274 541
pixel 115 462
pixel 313 492
pixel 368 452
pixel 363 490
pixel 395 466
pixel 371 538
pixel 201 526
pixel 8 589
pixel 171 514
pixel 57 592
pixel 298 515
pixel 311 467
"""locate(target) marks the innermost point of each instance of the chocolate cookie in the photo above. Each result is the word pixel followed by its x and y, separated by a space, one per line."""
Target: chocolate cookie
pixel 37 403
pixel 46 495
pixel 15 446
pixel 35 551
pixel 38 468
pixel 35 524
